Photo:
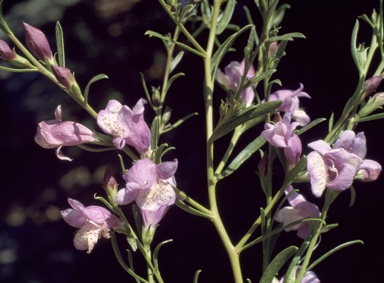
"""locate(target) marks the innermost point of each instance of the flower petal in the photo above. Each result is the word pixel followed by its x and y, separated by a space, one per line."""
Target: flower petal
pixel 317 172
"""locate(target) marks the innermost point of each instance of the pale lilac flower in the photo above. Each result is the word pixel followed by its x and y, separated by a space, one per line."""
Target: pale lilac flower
pixel 309 277
pixel 282 135
pixel 150 185
pixel 368 170
pixel 332 168
pixel 37 43
pixel 299 208
pixel 56 134
pixel 125 125
pixel 93 222
pixel 291 103
pixel 231 78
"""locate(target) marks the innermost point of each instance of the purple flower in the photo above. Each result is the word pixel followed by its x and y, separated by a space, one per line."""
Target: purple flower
pixel 299 209
pixel 37 43
pixel 6 52
pixel 291 103
pixel 56 134
pixel 282 135
pixel 231 78
pixel 93 222
pixel 332 168
pixel 150 185
pixel 368 170
pixel 125 125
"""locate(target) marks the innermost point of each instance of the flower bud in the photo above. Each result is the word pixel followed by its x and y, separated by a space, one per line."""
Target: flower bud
pixel 371 85
pixel 6 52
pixel 64 76
pixel 37 43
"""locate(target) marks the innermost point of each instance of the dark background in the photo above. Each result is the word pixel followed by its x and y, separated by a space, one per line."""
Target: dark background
pixel 108 37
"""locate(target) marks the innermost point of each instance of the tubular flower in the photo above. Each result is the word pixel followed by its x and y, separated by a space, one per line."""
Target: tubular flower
pixel 291 103
pixel 299 209
pixel 282 135
pixel 93 222
pixel 150 185
pixel 368 170
pixel 332 168
pixel 231 78
pixel 56 134
pixel 125 125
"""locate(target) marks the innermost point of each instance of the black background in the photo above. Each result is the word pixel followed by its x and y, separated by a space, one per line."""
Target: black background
pixel 36 245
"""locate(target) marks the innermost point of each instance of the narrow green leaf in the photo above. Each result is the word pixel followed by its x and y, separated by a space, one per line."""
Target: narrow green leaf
pixel 132 243
pixel 310 125
pixel 233 121
pixel 155 131
pixel 226 16
pixel 94 79
pixel 176 61
pixel 353 196
pixel 13 70
pixel 354 51
pixel 156 252
pixel 196 276
pixel 277 263
pixel 172 79
pixel 246 153
pixel 370 118
pixel 191 210
pixel 342 246
pixel 222 50
pixel 179 122
pixel 295 172
pixel 60 44
pixel 286 37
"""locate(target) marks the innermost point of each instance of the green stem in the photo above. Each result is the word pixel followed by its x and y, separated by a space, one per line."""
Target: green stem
pixel 329 198
pixel 211 179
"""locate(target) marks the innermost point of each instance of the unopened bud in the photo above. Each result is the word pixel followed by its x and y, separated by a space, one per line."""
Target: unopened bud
pixel 6 52
pixel 110 184
pixel 166 116
pixel 277 118
pixel 262 166
pixel 372 84
pixel 155 96
pixel 64 76
pixel 37 43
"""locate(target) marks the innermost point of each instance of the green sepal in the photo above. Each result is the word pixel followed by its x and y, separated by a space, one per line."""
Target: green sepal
pixel 235 118
pixel 226 16
pixel 246 153
pixel 94 79
pixel 60 44
pixel 277 263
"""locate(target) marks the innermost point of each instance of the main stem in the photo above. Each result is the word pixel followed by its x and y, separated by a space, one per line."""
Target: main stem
pixel 211 179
